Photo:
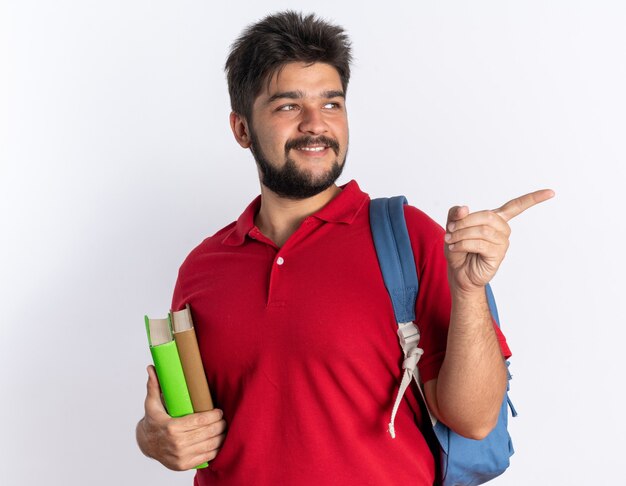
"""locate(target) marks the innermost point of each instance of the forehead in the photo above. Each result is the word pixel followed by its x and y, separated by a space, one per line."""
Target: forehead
pixel 310 79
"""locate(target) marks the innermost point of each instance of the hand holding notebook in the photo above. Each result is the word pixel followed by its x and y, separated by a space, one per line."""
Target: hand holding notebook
pixel 179 443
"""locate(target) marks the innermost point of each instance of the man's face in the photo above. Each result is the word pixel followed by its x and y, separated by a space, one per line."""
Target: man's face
pixel 299 130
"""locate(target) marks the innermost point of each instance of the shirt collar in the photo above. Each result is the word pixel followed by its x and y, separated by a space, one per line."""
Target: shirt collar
pixel 342 209
pixel 345 206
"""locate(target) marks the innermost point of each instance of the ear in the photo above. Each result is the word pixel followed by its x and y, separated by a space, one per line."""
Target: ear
pixel 239 126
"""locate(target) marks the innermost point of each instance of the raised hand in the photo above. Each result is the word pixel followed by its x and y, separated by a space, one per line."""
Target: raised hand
pixel 178 443
pixel 476 243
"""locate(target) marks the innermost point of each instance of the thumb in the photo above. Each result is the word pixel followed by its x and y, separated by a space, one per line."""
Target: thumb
pixel 154 399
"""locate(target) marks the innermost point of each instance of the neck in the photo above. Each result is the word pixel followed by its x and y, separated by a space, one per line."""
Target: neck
pixel 279 217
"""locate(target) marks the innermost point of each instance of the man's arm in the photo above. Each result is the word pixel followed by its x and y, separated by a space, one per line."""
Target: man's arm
pixel 178 443
pixel 469 390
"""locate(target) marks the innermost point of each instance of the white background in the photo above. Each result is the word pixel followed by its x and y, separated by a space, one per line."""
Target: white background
pixel 116 159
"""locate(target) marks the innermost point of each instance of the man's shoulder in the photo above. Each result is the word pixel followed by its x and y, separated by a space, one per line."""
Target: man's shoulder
pixel 233 234
pixel 210 244
pixel 421 224
pixel 218 237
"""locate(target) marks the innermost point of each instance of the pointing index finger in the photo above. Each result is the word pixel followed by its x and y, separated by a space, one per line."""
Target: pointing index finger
pixel 520 204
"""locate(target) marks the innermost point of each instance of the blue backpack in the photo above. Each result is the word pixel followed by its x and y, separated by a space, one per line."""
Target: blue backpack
pixel 463 462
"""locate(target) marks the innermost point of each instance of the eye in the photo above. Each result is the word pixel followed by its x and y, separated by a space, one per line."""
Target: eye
pixel 332 105
pixel 289 107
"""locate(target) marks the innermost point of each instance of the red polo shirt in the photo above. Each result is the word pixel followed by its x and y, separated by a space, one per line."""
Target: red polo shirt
pixel 300 349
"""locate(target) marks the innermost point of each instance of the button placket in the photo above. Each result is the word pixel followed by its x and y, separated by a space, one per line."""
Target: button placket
pixel 278 290
pixel 276 276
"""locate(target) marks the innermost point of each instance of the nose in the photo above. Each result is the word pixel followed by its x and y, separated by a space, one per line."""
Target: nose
pixel 312 121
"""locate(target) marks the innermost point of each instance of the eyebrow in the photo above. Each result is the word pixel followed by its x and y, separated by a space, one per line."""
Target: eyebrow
pixel 296 95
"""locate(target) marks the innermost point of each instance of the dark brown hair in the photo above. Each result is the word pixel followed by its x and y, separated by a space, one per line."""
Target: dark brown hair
pixel 266 46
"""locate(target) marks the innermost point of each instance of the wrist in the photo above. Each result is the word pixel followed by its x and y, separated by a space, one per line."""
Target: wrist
pixel 472 294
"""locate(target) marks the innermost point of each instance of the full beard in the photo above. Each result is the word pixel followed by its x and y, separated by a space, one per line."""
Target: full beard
pixel 291 182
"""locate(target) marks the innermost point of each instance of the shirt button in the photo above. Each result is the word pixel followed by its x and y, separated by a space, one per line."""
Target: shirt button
pixel 280 260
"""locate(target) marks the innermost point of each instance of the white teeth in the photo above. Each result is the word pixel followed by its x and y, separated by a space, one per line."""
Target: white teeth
pixel 313 149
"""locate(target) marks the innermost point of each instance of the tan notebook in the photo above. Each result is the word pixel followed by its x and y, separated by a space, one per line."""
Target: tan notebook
pixel 187 344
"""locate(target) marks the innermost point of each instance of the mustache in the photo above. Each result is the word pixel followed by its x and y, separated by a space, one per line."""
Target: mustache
pixel 302 142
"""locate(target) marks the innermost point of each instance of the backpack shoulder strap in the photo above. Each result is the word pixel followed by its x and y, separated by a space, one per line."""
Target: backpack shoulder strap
pixel 397 264
pixel 395 255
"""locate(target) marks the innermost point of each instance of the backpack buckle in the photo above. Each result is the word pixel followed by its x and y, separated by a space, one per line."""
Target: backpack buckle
pixel 408 334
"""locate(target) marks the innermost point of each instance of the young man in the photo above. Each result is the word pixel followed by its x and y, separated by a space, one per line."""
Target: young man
pixel 296 329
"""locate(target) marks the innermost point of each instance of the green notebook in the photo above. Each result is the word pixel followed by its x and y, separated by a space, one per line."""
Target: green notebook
pixel 169 369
